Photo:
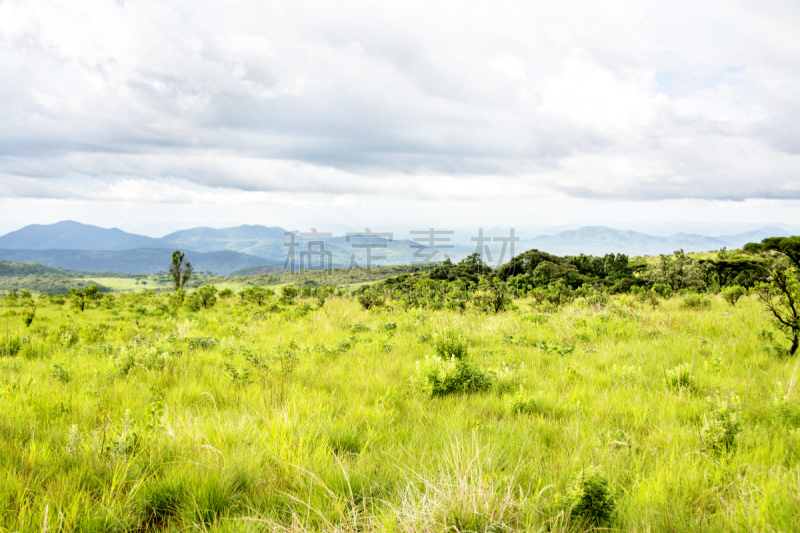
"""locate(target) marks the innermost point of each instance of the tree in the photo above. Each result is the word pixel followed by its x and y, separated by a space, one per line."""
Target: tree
pixel 788 246
pixel 781 296
pixel 207 296
pixel 181 272
pixel 78 299
pixel 492 295
pixel 257 295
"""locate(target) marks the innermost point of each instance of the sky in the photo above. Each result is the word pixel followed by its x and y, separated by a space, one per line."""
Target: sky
pixel 154 116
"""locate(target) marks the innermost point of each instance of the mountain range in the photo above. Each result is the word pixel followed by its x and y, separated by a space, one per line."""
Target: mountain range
pixel 83 247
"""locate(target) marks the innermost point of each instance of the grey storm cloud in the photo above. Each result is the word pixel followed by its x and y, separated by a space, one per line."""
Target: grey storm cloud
pixel 546 97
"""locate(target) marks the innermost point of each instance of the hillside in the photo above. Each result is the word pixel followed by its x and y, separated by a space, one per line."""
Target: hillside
pixel 133 261
pixel 77 246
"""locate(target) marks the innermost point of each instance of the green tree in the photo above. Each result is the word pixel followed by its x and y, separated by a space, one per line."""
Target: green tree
pixel 256 295
pixel 781 296
pixel 207 296
pixel 787 246
pixel 181 272
pixel 78 298
pixel 492 295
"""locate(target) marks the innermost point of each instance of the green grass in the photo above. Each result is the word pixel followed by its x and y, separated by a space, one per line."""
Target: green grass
pixel 126 418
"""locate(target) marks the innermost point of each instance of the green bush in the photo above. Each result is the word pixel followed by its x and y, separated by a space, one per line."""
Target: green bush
pixel 368 300
pixel 695 301
pixel 439 377
pixel 10 346
pixel 289 293
pixel 662 289
pixel 721 423
pixel 732 294
pixel 225 293
pixel 256 295
pixel 589 498
pixel 451 345
pixel 60 374
pixel 786 408
pixel 523 402
pixel 679 378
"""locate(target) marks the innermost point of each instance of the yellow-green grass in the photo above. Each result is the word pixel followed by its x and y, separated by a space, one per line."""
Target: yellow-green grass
pixel 106 413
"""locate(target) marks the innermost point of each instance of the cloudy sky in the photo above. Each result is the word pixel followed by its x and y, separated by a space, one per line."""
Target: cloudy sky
pixel 149 116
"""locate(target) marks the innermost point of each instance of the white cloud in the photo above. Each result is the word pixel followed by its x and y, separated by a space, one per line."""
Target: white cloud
pixel 536 101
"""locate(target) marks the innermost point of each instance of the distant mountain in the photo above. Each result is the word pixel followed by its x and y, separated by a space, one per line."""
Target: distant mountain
pixel 246 239
pixel 83 247
pixel 599 240
pixel 139 261
pixel 69 235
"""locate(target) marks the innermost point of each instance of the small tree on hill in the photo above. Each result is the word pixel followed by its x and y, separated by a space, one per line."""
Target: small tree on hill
pixel 181 272
pixel 781 296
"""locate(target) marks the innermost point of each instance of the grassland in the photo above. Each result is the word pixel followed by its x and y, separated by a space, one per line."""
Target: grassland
pixel 132 417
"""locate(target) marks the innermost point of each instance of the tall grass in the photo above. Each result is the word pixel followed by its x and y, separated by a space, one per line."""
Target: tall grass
pixel 238 418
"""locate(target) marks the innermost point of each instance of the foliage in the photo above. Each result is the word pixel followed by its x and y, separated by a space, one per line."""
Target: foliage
pixel 721 422
pixel 257 295
pixel 553 296
pixel 60 374
pixel 589 498
pixel 680 378
pixel 789 247
pixel 492 296
pixel 289 293
pixel 678 272
pixel 695 301
pixel 327 433
pixel 80 297
pixel 226 293
pixel 10 346
pixel 369 299
pixel 439 377
pixel 522 402
pixel 451 345
pixel 781 296
pixel 180 271
pixel 733 293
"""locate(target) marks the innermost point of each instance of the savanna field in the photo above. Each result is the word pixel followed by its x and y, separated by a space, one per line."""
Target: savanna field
pixel 133 416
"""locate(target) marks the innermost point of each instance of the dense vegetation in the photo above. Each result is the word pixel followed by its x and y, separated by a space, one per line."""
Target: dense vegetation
pixel 553 394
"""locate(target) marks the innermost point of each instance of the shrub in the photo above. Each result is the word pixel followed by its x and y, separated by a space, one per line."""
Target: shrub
pixel 732 294
pixel 589 498
pixel 225 293
pixel 10 346
pixel 368 300
pixel 662 289
pixel 680 377
pixel 256 295
pixel 786 408
pixel 60 374
pixel 450 345
pixel 201 342
pixel 440 377
pixel 695 301
pixel 206 296
pixel 288 293
pixel 303 310
pixel 523 403
pixel 721 423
